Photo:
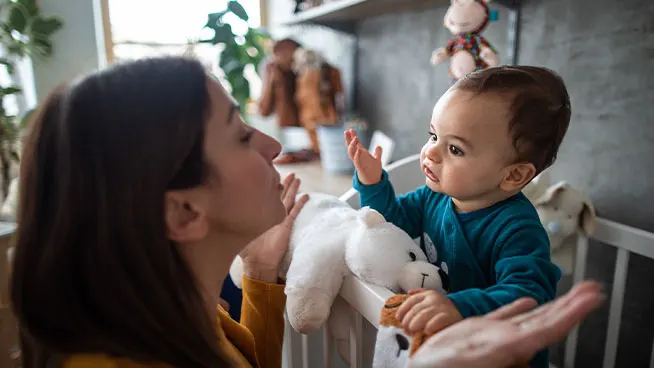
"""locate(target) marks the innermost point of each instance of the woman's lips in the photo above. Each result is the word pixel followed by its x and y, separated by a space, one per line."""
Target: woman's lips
pixel 430 175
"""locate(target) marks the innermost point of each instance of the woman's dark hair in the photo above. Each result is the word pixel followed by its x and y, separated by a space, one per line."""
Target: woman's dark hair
pixel 94 270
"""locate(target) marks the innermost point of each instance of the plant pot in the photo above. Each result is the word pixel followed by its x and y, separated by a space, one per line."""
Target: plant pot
pixel 333 151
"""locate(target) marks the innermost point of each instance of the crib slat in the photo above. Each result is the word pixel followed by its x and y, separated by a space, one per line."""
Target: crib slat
pixel 288 342
pixel 651 359
pixel 356 345
pixel 579 273
pixel 327 347
pixel 305 351
pixel 617 298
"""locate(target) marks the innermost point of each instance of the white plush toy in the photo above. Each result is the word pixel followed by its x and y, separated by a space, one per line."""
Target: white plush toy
pixel 330 240
pixel 563 211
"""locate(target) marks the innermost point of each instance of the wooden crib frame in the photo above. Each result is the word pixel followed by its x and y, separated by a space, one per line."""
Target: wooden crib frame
pixel 366 301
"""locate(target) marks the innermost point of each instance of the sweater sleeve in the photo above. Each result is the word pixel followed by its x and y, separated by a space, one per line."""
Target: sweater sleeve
pixel 521 268
pixel 262 313
pixel 404 211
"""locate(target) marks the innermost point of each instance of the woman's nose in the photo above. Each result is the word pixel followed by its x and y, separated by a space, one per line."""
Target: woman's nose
pixel 269 147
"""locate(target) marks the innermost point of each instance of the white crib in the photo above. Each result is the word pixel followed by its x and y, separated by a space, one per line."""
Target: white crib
pixel 366 301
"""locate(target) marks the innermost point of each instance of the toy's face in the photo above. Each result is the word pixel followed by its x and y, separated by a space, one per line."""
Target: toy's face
pixel 393 344
pixel 383 254
pixel 305 60
pixel 465 16
pixel 561 216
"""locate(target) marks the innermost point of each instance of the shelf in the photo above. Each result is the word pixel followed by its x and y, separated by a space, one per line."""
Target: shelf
pixel 343 14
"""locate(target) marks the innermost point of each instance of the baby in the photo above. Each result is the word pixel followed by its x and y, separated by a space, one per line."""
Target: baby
pixel 490 134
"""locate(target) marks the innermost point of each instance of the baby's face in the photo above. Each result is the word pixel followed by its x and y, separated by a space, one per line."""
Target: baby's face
pixel 469 146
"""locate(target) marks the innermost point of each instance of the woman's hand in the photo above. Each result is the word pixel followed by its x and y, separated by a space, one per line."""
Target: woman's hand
pixel 262 257
pixel 509 336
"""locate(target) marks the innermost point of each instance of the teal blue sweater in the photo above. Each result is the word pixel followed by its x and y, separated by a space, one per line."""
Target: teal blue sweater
pixel 492 256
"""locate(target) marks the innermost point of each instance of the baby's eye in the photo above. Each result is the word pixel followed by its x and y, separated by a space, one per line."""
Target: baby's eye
pixel 456 151
pixel 432 137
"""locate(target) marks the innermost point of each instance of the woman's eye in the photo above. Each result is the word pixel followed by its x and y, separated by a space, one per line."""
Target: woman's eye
pixel 456 151
pixel 245 138
pixel 432 137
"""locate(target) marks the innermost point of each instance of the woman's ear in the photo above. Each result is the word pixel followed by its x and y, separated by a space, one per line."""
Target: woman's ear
pixel 185 222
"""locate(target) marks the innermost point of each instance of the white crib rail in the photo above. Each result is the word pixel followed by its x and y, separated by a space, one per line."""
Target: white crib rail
pixel 627 240
pixel 366 301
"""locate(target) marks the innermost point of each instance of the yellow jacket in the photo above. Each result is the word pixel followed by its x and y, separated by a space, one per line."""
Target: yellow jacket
pixel 256 341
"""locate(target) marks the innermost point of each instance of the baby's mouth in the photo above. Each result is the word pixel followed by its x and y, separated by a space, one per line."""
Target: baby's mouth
pixel 430 175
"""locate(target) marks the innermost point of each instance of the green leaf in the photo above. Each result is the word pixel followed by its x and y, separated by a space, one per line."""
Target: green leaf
pixel 223 34
pixel 8 64
pixel 6 91
pixel 16 48
pixel 215 19
pixel 18 18
pixel 236 8
pixel 46 26
pixel 31 6
pixel 43 46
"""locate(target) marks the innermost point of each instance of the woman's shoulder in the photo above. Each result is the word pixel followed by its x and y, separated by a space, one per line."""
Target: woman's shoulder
pixel 104 361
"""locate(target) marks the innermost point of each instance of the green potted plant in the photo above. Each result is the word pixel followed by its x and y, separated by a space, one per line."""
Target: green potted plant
pixel 24 32
pixel 237 51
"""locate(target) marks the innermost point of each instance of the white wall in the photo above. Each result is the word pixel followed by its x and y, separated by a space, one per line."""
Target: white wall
pixel 78 45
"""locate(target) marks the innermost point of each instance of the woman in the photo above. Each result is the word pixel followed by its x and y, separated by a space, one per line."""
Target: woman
pixel 139 186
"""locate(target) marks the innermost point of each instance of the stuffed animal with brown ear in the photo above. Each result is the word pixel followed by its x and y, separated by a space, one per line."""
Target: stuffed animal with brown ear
pixel 394 346
pixel 468 51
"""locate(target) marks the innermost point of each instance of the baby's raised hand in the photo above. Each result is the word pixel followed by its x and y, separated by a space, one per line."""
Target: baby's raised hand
pixel 428 311
pixel 369 167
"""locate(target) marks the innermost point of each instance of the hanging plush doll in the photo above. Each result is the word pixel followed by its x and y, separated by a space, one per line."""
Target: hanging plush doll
pixel 468 51
pixel 318 94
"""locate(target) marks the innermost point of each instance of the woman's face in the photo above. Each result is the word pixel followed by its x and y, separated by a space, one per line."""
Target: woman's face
pixel 242 196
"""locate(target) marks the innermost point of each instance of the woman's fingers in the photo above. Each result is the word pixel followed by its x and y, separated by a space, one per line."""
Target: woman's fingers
pixel 297 207
pixel 553 307
pixel 286 183
pixel 521 305
pixel 291 193
pixel 547 328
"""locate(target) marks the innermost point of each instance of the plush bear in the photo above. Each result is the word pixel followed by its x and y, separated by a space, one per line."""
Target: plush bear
pixel 330 240
pixel 468 51
pixel 564 211
pixel 318 93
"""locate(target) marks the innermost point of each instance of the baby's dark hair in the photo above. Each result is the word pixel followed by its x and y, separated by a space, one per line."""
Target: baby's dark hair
pixel 539 108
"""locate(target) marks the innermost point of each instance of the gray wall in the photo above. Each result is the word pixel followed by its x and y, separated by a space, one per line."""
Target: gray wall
pixel 604 49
